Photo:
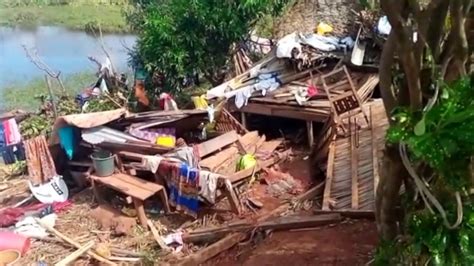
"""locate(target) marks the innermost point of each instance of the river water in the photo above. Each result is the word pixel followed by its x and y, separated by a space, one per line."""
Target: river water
pixel 60 48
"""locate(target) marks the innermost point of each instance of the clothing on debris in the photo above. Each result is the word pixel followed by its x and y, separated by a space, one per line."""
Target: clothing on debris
pixel 40 164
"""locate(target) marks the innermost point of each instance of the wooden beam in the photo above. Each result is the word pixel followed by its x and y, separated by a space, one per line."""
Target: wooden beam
pixel 217 143
pixel 212 250
pixel 354 165
pixel 293 112
pixel 309 130
pixel 354 214
pixel 279 223
pixel 375 163
pixel 243 117
pixel 329 174
pixel 157 236
pixel 216 160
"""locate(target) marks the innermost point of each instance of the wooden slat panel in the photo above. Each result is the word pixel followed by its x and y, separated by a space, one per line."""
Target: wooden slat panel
pixel 132 186
pixel 329 176
pixel 217 143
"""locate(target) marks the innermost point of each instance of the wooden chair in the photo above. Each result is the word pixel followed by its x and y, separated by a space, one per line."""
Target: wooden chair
pixel 344 105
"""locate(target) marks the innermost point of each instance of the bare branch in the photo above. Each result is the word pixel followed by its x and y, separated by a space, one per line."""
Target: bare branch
pixel 403 34
pixel 36 60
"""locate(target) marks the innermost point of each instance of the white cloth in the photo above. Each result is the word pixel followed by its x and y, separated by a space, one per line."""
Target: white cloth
pixel 208 185
pixel 28 226
pixel 185 155
pixel 174 238
pixel 103 87
pixel 151 163
pixel 242 97
pixel 211 113
pixel 286 45
pixel 383 26
pixel 293 42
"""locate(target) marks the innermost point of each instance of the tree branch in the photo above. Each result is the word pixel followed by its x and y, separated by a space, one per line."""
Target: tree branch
pixel 405 50
pixel 385 74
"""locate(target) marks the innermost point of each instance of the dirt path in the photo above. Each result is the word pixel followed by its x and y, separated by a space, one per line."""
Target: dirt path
pixel 349 243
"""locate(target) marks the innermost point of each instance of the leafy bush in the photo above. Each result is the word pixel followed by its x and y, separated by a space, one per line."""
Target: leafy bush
pixel 442 140
pixel 180 37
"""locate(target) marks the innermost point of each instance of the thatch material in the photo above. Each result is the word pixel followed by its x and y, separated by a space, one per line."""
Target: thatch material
pixel 352 170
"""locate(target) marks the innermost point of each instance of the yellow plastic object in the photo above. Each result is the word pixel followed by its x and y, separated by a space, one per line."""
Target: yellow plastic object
pixel 323 28
pixel 166 141
pixel 245 162
pixel 9 257
pixel 200 102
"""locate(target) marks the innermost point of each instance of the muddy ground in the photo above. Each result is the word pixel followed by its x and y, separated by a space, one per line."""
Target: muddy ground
pixel 351 242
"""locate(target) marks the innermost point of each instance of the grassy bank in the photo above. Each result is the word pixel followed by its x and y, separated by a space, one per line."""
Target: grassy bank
pixel 79 17
pixel 23 96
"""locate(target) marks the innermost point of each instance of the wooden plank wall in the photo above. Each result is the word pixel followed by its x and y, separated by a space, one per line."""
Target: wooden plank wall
pixel 353 169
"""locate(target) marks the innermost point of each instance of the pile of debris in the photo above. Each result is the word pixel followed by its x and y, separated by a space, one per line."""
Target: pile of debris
pixel 198 181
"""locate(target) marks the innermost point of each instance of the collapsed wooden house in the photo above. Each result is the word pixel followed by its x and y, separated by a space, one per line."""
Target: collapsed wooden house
pixel 351 138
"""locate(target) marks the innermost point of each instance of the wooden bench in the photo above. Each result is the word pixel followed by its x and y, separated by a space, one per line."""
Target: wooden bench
pixel 134 187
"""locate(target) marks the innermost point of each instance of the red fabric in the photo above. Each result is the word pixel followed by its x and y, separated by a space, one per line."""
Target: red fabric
pixel 312 91
pixel 10 216
pixel 164 97
pixel 8 134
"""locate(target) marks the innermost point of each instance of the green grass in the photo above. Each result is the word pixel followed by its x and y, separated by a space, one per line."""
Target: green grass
pixel 22 96
pixel 79 17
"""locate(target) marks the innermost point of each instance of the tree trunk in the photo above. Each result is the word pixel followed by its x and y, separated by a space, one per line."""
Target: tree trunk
pixel 391 174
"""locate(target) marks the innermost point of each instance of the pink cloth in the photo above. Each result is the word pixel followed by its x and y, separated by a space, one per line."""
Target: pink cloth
pixel 12 133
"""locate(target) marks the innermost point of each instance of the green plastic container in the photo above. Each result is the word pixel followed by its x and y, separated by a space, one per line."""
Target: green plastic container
pixel 104 163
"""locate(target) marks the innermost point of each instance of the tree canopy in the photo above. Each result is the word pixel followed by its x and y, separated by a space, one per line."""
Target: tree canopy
pixel 429 98
pixel 179 37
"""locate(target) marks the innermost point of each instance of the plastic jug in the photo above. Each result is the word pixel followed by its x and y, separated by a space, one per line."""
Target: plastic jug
pixel 12 241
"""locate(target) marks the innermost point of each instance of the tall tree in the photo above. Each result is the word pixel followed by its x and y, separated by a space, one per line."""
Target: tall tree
pixel 427 47
pixel 179 37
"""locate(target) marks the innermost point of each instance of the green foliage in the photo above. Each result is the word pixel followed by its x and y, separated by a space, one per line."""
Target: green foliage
pixel 77 16
pixel 25 95
pixel 179 37
pixel 443 139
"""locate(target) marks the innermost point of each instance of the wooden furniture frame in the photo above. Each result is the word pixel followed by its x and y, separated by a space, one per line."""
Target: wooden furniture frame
pixel 344 105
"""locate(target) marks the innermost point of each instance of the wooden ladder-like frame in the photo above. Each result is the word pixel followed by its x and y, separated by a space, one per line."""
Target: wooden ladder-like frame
pixel 343 105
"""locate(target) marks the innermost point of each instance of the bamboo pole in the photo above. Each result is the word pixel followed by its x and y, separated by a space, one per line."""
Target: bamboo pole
pixel 72 242
pixel 76 254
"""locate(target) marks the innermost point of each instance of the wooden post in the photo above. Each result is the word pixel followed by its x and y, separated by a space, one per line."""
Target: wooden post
pixel 51 95
pixel 375 162
pixel 354 164
pixel 329 175
pixel 243 117
pixel 141 212
pixel 309 129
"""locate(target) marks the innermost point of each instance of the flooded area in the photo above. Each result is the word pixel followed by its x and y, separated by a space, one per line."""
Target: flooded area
pixel 62 49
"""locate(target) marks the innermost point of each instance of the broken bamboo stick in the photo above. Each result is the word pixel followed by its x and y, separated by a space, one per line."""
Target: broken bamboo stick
pixel 72 242
pixel 76 254
pixel 157 236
